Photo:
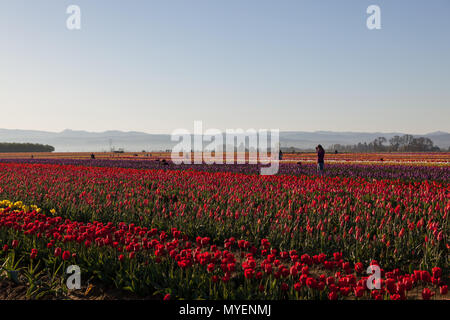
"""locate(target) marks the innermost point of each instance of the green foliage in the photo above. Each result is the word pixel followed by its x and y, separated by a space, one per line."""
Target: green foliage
pixel 25 147
pixel 406 143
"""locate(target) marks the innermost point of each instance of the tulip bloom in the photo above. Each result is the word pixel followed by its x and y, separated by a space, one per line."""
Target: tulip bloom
pixel 66 255
pixel 443 290
pixel 57 252
pixel 427 294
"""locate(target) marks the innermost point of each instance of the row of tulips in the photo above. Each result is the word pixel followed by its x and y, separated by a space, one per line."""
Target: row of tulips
pixel 430 158
pixel 169 263
pixel 405 172
pixel 401 224
pixel 399 157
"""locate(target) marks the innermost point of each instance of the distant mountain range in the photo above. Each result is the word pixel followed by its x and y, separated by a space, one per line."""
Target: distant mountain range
pixel 78 141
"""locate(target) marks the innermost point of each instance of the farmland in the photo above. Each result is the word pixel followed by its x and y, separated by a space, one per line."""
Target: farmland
pixel 156 230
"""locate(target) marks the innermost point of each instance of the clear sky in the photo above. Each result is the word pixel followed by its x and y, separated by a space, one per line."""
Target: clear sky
pixel 155 66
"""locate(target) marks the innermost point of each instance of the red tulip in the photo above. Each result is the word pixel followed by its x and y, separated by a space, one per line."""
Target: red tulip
pixel 57 252
pixel 66 255
pixel 427 294
pixel 443 290
pixel 332 296
pixel 33 254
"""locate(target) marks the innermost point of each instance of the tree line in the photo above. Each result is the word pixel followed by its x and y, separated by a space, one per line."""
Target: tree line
pixel 405 143
pixel 25 147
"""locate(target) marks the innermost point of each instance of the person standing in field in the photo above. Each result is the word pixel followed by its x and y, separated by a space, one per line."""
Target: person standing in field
pixel 320 159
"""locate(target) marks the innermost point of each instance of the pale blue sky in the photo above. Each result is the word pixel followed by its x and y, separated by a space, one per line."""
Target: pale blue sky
pixel 155 66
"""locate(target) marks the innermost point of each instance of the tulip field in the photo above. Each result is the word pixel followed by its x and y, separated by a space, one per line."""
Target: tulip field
pixel 157 230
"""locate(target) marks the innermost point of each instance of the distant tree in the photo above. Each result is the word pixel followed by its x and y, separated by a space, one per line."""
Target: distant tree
pixel 25 147
pixel 378 144
pixel 406 143
pixel 422 144
pixel 394 143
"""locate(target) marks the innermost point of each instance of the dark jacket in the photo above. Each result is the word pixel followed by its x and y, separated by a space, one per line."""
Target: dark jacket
pixel 320 156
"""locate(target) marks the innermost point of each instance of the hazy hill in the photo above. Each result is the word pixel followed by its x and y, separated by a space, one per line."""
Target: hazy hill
pixel 70 140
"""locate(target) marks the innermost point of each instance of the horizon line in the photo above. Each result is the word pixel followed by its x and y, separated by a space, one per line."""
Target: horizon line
pixel 281 131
